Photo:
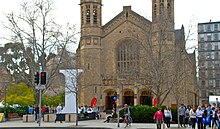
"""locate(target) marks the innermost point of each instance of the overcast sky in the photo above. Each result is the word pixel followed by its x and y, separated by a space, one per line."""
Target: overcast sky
pixel 187 12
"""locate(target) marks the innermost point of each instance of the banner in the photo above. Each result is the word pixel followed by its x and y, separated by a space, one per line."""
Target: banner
pixel 1 116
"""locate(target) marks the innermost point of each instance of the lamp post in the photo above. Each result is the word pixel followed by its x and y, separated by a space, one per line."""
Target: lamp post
pixel 120 98
pixel 5 89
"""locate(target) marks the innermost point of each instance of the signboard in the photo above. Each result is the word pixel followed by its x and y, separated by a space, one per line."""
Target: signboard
pixel 214 99
pixel 93 102
pixel 1 116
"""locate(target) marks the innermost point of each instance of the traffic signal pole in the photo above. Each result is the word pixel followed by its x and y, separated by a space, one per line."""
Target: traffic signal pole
pixel 40 98
pixel 43 81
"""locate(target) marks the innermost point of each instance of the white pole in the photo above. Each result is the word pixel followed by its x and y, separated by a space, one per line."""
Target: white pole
pixel 40 106
pixel 40 97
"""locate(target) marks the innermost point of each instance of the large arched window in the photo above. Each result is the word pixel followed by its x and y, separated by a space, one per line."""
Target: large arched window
pixel 128 58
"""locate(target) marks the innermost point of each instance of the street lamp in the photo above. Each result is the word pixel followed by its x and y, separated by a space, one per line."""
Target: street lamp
pixel 5 88
pixel 5 91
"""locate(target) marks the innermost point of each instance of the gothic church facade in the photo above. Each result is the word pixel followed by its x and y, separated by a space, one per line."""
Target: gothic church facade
pixel 118 58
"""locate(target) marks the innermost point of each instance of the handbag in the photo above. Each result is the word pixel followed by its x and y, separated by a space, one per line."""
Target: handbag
pixel 214 126
pixel 208 120
pixel 164 125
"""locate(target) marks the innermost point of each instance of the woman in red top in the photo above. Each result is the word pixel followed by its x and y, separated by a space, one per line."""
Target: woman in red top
pixel 158 116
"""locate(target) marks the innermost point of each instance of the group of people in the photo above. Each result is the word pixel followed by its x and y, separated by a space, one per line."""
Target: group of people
pixel 44 110
pixel 35 110
pixel 159 116
pixel 202 116
pixel 127 117
pixel 85 111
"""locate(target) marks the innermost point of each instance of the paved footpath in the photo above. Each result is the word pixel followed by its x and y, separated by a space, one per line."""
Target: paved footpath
pixel 88 123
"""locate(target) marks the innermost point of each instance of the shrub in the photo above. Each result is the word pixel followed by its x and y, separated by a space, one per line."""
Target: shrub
pixel 20 110
pixel 145 114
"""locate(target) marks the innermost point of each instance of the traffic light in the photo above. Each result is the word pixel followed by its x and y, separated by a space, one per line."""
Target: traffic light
pixel 36 78
pixel 43 78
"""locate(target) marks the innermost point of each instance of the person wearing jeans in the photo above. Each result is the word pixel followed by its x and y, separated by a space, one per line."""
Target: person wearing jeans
pixel 199 113
pixel 192 114
pixel 158 116
pixel 181 112
pixel 168 116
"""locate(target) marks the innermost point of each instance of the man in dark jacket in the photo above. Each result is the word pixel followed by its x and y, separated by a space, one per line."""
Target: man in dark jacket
pixel 36 113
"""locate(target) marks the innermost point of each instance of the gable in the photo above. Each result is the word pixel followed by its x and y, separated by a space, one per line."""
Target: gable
pixel 127 15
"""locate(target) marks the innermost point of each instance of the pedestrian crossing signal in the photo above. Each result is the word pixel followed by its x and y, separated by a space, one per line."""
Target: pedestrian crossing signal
pixel 43 78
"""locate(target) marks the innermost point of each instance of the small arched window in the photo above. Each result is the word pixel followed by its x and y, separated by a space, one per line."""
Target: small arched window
pixel 95 14
pixel 155 10
pixel 161 8
pixel 88 14
pixel 168 10
pixel 82 15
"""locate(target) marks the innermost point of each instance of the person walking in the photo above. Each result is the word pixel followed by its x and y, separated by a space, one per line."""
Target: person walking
pixel 192 114
pixel 158 116
pixel 181 112
pixel 199 113
pixel 204 117
pixel 36 110
pixel 127 115
pixel 58 114
pixel 168 116
pixel 213 117
pixel 209 110
pixel 186 117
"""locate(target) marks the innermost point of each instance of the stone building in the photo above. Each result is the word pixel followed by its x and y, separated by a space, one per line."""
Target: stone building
pixel 208 59
pixel 134 59
pixel 66 60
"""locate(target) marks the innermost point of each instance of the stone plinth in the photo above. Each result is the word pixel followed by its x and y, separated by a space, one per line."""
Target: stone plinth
pixel 102 115
pixel 70 117
pixel 28 118
pixel 49 117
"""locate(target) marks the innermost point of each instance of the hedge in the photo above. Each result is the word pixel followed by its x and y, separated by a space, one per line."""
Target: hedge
pixel 20 110
pixel 145 114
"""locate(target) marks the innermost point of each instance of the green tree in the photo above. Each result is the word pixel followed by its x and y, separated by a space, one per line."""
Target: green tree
pixel 20 94
pixel 54 100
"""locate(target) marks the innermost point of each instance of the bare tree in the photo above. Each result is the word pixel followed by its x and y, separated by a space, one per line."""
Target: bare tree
pixel 39 37
pixel 163 61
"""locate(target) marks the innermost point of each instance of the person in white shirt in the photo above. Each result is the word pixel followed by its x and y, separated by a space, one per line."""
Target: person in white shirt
pixel 199 113
pixel 187 117
pixel 192 114
pixel 89 110
pixel 213 115
pixel 168 116
pixel 59 111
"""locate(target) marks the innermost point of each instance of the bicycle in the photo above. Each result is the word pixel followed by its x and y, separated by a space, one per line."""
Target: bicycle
pixel 127 121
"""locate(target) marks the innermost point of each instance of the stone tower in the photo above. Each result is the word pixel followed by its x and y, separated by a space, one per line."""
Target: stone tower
pixel 90 47
pixel 163 20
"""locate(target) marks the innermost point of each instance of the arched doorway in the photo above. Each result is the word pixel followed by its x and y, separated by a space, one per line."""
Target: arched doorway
pixel 109 101
pixel 128 97
pixel 146 98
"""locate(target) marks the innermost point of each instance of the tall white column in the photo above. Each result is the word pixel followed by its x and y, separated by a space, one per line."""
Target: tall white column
pixel 70 89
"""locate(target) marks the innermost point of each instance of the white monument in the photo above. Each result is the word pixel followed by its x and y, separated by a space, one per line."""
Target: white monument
pixel 70 89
